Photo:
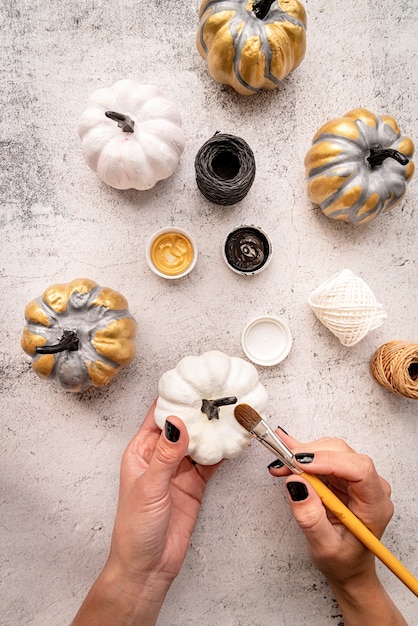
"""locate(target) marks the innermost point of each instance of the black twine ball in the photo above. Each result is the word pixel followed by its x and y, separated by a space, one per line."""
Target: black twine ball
pixel 225 169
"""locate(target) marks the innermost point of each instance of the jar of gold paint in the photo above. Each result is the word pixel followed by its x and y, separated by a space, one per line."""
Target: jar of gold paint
pixel 171 253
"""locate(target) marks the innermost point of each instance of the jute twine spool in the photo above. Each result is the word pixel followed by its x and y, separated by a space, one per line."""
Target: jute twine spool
pixel 225 169
pixel 395 366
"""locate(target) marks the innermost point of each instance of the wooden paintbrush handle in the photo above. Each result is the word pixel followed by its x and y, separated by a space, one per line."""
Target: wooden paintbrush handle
pixel 359 530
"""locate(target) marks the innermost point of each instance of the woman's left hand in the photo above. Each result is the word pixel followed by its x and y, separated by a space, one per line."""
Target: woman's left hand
pixel 161 491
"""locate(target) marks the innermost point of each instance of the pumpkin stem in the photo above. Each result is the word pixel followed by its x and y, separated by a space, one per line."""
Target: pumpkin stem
pixel 211 407
pixel 124 121
pixel 261 8
pixel 68 341
pixel 378 155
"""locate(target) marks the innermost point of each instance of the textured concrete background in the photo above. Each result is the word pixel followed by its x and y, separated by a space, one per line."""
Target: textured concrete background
pixel 247 564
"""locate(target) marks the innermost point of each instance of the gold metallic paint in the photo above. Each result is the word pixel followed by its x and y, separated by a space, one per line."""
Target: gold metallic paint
pixel 34 313
pixel 321 187
pixel 82 285
pixel 172 253
pixel 364 115
pixel 57 296
pixel 44 365
pixel 406 146
pixel 295 9
pixel 116 341
pixel 285 58
pixel 30 341
pixel 369 204
pixel 340 127
pixel 252 62
pixel 410 169
pixel 390 121
pixel 217 28
pixel 321 154
pixel 347 200
pixel 342 217
pixel 111 300
pixel 100 373
pixel 221 58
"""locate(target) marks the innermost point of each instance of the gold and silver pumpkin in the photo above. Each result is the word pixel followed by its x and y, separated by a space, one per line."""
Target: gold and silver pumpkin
pixel 358 166
pixel 80 334
pixel 251 44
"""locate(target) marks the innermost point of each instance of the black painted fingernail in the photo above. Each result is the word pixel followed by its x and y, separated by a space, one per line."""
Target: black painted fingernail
pixel 276 464
pixel 304 457
pixel 282 429
pixel 297 490
pixel 171 432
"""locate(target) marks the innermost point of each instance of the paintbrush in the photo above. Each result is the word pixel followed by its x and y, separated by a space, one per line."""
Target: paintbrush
pixel 258 428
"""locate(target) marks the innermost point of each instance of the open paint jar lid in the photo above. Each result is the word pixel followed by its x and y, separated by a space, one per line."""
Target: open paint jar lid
pixel 266 340
pixel 247 250
pixel 171 253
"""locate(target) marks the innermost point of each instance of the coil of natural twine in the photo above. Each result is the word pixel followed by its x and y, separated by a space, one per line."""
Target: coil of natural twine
pixel 225 169
pixel 395 366
pixel 346 305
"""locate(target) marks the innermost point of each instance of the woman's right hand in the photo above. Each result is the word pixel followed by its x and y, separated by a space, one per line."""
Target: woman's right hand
pixel 343 559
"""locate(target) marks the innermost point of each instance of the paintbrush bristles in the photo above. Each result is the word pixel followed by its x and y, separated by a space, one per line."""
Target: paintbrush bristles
pixel 246 416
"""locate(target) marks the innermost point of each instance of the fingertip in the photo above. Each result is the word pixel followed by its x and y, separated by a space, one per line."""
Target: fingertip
pixel 175 429
pixel 277 469
pixel 171 432
pixel 306 505
pixel 297 490
pixel 281 429
pixel 171 448
pixel 286 438
pixel 276 464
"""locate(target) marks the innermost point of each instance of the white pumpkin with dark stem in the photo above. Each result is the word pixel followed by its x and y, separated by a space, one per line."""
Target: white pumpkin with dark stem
pixel 131 135
pixel 203 391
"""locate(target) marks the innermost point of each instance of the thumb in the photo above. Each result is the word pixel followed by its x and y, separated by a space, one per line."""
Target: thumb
pixel 169 452
pixel 309 513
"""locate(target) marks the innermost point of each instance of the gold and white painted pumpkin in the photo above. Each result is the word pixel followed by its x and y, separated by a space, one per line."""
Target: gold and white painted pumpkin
pixel 80 334
pixel 202 391
pixel 358 166
pixel 251 44
pixel 131 135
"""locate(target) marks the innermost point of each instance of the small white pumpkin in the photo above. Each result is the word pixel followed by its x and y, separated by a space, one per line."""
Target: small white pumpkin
pixel 203 391
pixel 131 135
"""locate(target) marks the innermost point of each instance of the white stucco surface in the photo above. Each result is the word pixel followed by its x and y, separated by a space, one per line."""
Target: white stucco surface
pixel 247 564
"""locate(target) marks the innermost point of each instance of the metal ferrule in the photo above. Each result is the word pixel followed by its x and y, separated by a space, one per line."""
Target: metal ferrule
pixel 270 440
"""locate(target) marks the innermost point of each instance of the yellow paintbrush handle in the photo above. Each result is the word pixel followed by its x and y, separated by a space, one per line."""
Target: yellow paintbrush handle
pixel 359 530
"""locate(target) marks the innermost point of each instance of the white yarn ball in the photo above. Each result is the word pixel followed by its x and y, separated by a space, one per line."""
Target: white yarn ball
pixel 346 305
